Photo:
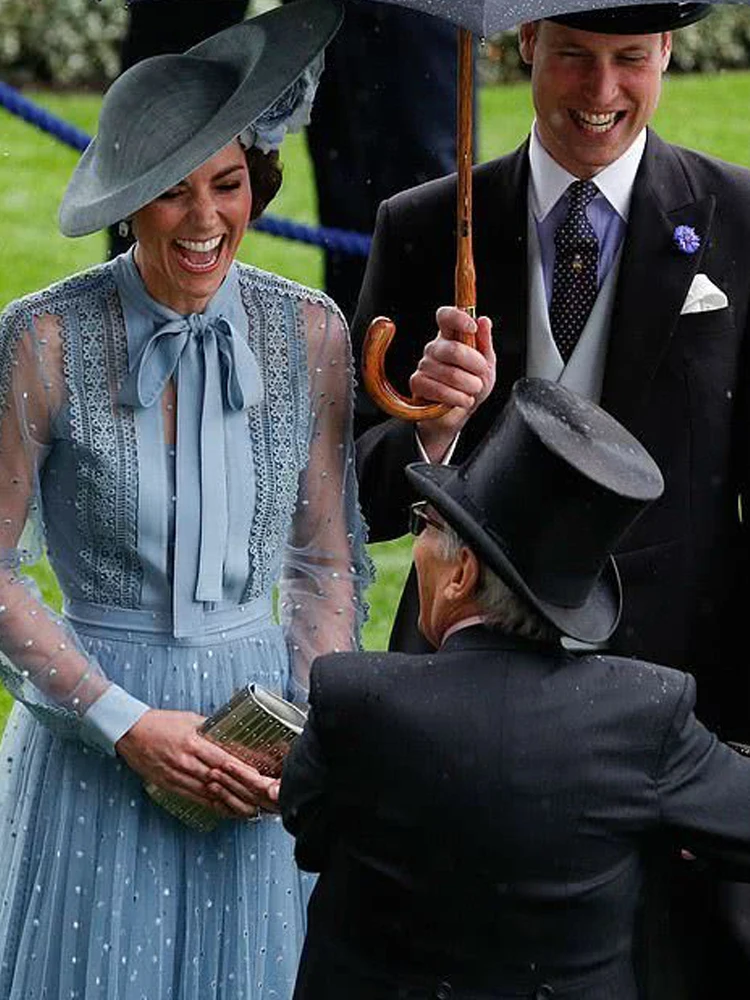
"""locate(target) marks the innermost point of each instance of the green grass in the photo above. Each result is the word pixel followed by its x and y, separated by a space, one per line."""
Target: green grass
pixel 705 112
pixel 34 169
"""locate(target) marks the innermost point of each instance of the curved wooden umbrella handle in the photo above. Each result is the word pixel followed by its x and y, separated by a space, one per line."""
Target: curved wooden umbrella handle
pixel 379 335
pixel 381 331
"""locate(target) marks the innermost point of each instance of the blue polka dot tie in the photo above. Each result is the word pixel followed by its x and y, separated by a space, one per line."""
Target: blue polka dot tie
pixel 574 281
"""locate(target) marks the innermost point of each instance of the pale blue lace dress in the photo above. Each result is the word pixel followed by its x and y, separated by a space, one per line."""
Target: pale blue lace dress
pixel 168 517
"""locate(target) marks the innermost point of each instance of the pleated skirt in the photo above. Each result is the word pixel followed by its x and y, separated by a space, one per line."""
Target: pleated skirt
pixel 105 895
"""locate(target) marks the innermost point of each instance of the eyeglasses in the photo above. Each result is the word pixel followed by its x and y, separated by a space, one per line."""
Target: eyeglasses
pixel 420 517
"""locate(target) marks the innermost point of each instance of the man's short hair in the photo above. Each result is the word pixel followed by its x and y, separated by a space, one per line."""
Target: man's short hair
pixel 501 607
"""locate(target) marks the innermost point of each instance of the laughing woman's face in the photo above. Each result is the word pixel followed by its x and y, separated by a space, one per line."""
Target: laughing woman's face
pixel 188 236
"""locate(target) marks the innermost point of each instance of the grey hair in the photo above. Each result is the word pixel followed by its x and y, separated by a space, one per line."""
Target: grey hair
pixel 500 606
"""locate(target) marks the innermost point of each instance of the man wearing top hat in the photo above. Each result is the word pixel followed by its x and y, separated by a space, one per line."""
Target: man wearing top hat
pixel 479 814
pixel 631 288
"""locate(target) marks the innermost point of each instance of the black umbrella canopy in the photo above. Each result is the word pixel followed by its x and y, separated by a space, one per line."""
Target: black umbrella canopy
pixel 487 17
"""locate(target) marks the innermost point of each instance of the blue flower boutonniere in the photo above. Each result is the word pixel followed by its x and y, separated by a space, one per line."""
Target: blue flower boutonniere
pixel 686 239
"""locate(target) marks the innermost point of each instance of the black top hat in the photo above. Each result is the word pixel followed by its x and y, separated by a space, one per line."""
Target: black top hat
pixel 544 499
pixel 639 19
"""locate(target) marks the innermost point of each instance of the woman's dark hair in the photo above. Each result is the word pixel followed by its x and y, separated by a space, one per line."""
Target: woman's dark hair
pixel 265 178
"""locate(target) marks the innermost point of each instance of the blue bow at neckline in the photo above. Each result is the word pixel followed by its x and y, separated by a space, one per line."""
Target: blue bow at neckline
pixel 216 369
pixel 159 357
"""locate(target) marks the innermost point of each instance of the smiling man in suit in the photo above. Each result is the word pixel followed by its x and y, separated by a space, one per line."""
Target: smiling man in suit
pixel 618 264
pixel 479 814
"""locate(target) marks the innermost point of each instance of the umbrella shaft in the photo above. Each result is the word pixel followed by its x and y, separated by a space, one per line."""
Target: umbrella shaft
pixel 465 276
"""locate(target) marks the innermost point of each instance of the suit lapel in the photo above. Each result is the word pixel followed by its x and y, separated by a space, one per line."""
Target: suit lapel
pixel 654 276
pixel 500 242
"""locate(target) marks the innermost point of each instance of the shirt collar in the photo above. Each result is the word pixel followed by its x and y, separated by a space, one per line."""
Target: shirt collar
pixel 143 314
pixel 225 301
pixel 482 636
pixel 549 181
pixel 463 623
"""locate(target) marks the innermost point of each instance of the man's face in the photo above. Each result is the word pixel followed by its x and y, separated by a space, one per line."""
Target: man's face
pixel 592 93
pixel 433 573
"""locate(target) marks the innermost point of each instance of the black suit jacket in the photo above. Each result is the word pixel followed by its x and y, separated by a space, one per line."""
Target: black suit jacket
pixel 478 816
pixel 676 381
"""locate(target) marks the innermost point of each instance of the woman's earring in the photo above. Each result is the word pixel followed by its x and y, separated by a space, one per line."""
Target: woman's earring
pixel 123 228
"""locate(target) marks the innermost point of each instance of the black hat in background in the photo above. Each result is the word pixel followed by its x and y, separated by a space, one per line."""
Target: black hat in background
pixel 639 19
pixel 544 499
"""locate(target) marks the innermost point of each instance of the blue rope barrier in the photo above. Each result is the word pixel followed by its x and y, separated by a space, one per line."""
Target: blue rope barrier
pixel 354 244
pixel 23 108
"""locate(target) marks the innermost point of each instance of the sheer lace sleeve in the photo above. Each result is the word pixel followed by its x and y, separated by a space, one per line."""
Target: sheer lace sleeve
pixel 326 567
pixel 41 662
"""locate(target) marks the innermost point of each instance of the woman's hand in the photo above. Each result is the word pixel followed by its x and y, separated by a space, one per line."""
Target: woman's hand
pixel 238 783
pixel 166 749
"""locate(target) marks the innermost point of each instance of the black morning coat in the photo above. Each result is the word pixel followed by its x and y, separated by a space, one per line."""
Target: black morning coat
pixel 679 383
pixel 479 817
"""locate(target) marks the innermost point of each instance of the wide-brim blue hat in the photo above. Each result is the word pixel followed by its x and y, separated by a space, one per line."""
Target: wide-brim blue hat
pixel 167 115
pixel 543 501
pixel 636 19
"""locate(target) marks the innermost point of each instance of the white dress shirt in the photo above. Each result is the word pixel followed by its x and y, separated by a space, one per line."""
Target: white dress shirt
pixel 608 214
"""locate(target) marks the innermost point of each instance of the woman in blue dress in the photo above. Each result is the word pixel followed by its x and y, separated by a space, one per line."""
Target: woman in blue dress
pixel 175 428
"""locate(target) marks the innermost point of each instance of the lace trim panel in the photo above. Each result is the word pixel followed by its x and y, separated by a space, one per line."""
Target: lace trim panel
pixel 14 321
pixel 279 428
pixel 95 362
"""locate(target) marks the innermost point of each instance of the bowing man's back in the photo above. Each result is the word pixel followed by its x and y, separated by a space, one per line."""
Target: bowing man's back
pixel 478 815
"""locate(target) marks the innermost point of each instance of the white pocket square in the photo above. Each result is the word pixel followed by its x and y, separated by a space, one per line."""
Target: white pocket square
pixel 703 296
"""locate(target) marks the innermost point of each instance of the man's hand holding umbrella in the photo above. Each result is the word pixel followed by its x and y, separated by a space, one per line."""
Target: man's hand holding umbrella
pixel 454 374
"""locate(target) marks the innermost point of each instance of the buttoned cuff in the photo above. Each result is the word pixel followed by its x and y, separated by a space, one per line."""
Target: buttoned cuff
pixel 110 717
pixel 445 460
